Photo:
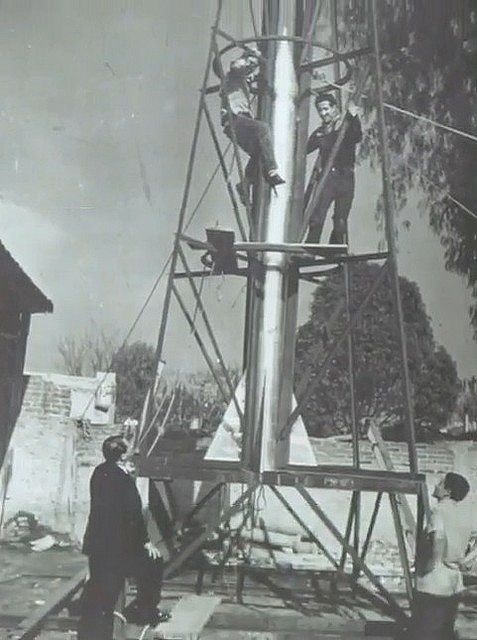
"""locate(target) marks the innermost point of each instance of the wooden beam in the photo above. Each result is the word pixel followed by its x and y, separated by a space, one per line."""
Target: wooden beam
pixel 188 618
pixel 33 624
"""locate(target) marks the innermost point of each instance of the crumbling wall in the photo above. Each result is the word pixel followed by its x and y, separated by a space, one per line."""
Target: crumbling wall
pixel 52 460
pixel 43 471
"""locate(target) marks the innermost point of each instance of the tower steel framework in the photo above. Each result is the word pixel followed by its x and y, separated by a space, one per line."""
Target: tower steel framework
pixel 273 259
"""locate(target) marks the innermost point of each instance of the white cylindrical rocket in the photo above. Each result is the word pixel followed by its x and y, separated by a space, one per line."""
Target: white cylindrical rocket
pixel 273 284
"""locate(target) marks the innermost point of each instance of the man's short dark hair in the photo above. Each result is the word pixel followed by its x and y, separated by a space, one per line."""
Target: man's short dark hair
pixel 457 485
pixel 113 448
pixel 325 97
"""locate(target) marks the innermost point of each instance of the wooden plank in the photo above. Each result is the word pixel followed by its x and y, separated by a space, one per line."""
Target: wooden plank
pixel 32 625
pixel 258 619
pixel 52 623
pixel 188 618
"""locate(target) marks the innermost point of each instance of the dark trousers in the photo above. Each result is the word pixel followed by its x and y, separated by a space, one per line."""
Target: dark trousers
pixel 433 617
pixel 338 188
pixel 254 137
pixel 101 592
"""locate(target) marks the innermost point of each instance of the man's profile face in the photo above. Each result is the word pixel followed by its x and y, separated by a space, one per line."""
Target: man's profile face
pixel 440 490
pixel 327 111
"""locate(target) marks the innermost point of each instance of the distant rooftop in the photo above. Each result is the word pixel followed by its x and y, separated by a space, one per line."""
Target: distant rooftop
pixel 17 289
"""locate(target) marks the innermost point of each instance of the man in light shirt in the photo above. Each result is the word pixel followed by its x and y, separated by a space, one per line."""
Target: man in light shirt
pixel 252 135
pixel 439 560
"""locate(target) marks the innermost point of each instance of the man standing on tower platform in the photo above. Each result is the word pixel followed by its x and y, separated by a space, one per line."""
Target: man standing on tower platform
pixel 253 136
pixel 338 186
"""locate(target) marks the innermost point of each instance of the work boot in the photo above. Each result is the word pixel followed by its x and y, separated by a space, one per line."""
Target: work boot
pixel 159 616
pixel 273 178
pixel 141 615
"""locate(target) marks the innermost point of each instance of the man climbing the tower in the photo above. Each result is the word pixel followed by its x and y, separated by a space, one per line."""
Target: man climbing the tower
pixel 335 139
pixel 252 135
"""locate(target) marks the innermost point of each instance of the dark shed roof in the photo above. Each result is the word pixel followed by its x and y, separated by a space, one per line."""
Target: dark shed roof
pixel 17 289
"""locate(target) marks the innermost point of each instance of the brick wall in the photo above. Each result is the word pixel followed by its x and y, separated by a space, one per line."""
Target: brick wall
pixel 432 458
pixel 58 395
pixel 44 399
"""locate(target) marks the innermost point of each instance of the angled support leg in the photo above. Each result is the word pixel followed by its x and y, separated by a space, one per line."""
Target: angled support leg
pixel 397 610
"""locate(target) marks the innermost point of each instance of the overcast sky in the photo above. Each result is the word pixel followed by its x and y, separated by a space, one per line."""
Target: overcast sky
pixel 97 106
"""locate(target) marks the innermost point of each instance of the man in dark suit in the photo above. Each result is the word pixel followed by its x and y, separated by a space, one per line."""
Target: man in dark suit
pixel 339 183
pixel 117 545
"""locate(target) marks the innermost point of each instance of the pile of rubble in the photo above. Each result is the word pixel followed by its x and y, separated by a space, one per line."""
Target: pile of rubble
pixel 23 530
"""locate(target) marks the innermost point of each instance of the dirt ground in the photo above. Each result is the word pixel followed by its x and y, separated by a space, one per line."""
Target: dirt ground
pixel 28 579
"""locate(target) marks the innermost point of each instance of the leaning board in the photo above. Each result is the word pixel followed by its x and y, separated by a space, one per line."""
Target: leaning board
pixel 188 618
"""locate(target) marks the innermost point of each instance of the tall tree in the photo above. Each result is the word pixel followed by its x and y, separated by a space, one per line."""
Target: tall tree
pixel 378 376
pixel 134 368
pixel 429 55
pixel 88 353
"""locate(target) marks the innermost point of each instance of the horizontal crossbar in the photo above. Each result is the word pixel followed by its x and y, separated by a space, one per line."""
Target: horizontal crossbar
pixel 346 479
pixel 292 247
pixel 180 275
pixel 321 477
pixel 309 261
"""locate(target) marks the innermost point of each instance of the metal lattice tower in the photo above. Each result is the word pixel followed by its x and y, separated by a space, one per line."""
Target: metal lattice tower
pixel 270 254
